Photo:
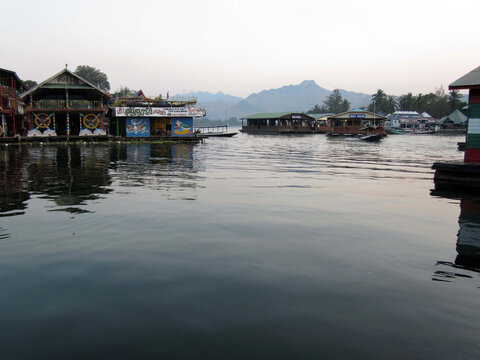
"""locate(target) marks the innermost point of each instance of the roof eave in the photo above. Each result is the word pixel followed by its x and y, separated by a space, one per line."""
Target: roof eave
pixel 463 87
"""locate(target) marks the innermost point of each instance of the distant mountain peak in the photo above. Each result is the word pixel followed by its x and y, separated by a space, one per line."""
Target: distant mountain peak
pixel 308 83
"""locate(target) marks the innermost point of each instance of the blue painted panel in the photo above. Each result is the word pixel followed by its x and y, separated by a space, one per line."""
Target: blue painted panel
pixel 182 127
pixel 138 127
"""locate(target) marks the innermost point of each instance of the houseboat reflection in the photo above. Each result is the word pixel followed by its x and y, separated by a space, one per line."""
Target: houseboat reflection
pixel 468 240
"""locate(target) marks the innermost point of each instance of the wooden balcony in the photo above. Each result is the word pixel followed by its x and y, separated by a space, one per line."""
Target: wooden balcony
pixel 65 105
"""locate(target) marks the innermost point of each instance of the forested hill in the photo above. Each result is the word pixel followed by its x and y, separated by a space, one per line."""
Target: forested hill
pixel 299 97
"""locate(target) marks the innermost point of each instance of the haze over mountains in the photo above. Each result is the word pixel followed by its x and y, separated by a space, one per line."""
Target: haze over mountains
pixel 294 98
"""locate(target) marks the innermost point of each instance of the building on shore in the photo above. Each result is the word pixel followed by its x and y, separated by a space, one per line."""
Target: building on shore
pixel 279 123
pixel 356 122
pixel 11 106
pixel 139 116
pixel 66 106
pixel 454 123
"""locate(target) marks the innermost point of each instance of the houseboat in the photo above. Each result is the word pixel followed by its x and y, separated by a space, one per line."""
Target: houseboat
pixel 12 124
pixel 410 122
pixel 279 123
pixel 357 123
pixel 65 106
pixel 140 116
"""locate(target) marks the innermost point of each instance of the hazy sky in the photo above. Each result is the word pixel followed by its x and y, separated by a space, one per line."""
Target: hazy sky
pixel 241 47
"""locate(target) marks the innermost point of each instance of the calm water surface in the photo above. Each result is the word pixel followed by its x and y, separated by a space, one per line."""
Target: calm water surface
pixel 253 247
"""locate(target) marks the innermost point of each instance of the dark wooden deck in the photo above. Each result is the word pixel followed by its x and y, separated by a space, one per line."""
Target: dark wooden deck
pixel 457 176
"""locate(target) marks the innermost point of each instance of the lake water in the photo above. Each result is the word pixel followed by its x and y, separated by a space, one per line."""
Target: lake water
pixel 252 247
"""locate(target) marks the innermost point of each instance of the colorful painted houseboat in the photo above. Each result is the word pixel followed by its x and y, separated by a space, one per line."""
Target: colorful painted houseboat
pixel 279 123
pixel 356 123
pixel 139 116
pixel 11 107
pixel 65 106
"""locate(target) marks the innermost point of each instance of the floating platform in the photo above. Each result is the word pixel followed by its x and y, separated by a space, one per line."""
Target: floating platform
pixel 457 176
pixel 99 138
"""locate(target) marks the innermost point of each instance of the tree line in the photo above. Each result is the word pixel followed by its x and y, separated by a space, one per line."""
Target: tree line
pixel 437 104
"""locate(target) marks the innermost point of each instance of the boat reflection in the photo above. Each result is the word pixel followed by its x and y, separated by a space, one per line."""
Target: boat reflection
pixel 468 239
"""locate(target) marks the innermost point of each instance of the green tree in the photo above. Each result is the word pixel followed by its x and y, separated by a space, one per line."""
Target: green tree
pixel 93 76
pixel 335 104
pixel 124 91
pixel 454 100
pixel 378 103
pixel 30 83
pixel 391 104
pixel 407 102
pixel 317 109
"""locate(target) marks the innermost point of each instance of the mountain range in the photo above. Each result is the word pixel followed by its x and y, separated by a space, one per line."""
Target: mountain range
pixel 290 98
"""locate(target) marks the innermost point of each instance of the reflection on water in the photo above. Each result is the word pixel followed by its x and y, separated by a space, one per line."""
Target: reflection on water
pixel 468 240
pixel 72 175
pixel 293 248
pixel 167 167
pixel 13 195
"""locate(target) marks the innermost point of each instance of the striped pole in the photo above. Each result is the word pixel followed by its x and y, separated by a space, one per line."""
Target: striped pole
pixel 68 124
pixel 472 144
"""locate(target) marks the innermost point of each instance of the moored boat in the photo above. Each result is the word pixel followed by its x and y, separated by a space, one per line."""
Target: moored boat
pixel 216 131
pixel 372 137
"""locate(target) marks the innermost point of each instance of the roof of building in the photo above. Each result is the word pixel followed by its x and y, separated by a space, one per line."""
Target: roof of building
pixel 457 117
pixel 48 84
pixel 467 81
pixel 276 115
pixel 368 114
pixel 318 116
pixel 14 74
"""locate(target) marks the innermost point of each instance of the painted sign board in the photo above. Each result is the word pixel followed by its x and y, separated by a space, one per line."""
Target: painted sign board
pixel 137 127
pixel 182 127
pixel 159 112
pixel 357 116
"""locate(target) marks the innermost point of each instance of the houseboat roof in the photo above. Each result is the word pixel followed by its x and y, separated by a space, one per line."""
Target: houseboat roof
pixel 9 73
pixel 467 81
pixel 348 114
pixel 457 117
pixel 139 100
pixel 318 116
pixel 276 115
pixel 81 84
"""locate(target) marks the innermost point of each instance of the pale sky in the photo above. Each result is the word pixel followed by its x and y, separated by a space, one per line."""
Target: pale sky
pixel 242 47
